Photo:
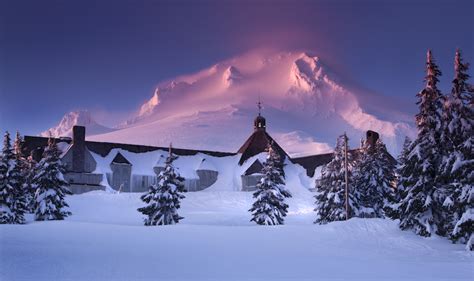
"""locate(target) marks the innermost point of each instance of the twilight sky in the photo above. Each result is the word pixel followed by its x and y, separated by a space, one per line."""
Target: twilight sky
pixel 108 56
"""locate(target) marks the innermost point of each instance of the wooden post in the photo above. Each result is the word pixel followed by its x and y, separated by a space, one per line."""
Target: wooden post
pixel 346 176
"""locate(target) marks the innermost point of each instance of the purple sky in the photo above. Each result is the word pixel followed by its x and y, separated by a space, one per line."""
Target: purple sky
pixel 107 56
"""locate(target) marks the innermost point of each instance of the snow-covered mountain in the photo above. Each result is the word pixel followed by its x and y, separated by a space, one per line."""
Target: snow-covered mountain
pixel 306 104
pixel 80 117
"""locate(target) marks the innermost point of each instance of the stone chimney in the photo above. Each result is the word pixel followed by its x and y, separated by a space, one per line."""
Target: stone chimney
pixel 78 148
pixel 371 138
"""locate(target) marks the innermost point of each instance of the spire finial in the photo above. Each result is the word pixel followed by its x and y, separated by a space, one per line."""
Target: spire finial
pixel 259 105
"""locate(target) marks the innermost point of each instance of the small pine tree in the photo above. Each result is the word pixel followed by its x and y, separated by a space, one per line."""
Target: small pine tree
pixel 7 190
pixel 421 203
pixel 51 189
pixel 458 164
pixel 164 198
pixel 269 207
pixel 330 196
pixel 374 179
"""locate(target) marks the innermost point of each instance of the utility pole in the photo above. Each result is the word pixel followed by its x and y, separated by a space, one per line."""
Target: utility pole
pixel 346 176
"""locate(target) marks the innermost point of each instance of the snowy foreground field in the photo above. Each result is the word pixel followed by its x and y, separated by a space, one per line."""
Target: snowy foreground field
pixel 105 240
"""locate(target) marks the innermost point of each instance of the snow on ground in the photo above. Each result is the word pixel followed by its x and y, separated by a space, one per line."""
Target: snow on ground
pixel 105 240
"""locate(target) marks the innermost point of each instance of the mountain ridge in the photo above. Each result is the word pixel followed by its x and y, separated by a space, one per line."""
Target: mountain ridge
pixel 305 102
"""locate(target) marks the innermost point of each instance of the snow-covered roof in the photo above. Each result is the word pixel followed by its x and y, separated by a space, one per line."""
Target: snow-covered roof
pixel 120 159
pixel 206 165
pixel 161 162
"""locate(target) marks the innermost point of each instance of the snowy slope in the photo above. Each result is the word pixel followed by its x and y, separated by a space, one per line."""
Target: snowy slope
pixel 305 103
pixel 105 240
pixel 81 118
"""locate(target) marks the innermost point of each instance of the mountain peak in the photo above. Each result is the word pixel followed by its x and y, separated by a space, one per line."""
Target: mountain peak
pixel 300 92
pixel 148 107
pixel 231 76
pixel 308 73
pixel 76 118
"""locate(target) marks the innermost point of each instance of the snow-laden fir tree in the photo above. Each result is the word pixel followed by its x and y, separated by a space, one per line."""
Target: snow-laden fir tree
pixel 374 179
pixel 29 185
pixel 269 207
pixel 458 164
pixel 330 195
pixel 7 191
pixel 401 170
pixel 51 188
pixel 17 178
pixel 421 203
pixel 401 173
pixel 164 198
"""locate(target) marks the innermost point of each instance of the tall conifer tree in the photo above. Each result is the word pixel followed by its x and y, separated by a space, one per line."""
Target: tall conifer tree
pixel 421 203
pixel 7 190
pixel 458 165
pixel 330 196
pixel 374 180
pixel 17 176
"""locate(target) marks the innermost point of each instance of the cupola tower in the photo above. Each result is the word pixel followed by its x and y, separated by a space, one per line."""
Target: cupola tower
pixel 259 123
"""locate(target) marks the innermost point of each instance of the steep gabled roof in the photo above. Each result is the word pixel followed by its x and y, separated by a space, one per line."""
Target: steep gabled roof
pixel 256 167
pixel 257 143
pixel 120 159
pixel 310 163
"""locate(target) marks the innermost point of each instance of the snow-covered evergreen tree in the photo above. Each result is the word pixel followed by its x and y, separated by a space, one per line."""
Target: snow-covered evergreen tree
pixel 330 196
pixel 374 180
pixel 7 190
pixel 401 172
pixel 458 164
pixel 17 178
pixel 164 198
pixel 269 207
pixel 30 186
pixel 50 203
pixel 422 196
